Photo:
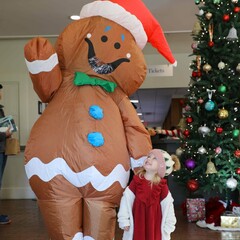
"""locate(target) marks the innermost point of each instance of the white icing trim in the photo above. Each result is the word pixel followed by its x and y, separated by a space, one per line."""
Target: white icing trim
pixel 58 166
pixel 38 66
pixel 119 15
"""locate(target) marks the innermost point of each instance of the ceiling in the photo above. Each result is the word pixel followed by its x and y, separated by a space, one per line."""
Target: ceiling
pixel 28 18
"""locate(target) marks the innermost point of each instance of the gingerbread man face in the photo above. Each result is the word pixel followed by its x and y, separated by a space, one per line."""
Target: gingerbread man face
pixel 102 48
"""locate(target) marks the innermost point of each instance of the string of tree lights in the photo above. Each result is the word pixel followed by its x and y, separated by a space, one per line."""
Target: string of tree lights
pixel 210 149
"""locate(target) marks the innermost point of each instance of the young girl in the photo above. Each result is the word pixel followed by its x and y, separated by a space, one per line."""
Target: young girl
pixel 146 210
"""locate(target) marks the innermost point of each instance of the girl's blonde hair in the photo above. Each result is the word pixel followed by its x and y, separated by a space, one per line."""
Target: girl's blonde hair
pixel 156 179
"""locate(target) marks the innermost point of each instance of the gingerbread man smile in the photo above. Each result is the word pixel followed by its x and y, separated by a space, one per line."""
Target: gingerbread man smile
pixel 98 65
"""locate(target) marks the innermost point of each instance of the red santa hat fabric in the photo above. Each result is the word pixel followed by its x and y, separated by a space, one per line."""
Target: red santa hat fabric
pixel 134 16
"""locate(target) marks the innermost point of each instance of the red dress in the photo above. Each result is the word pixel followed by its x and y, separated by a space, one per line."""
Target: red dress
pixel 147 213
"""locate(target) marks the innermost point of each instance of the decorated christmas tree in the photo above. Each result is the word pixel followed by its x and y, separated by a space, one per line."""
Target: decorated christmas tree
pixel 210 149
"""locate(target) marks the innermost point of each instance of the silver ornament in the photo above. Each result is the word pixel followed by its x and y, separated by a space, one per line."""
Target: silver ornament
pixel 231 183
pixel 204 130
pixel 201 12
pixel 202 150
pixel 221 65
pixel 232 35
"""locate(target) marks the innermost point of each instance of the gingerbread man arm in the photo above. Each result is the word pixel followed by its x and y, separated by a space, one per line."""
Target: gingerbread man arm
pixel 138 138
pixel 43 67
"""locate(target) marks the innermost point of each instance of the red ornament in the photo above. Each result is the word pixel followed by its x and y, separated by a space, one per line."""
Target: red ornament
pixel 194 74
pixel 189 119
pixel 226 17
pixel 210 43
pixel 236 9
pixel 186 133
pixel 182 102
pixel 192 185
pixel 238 171
pixel 219 130
pixel 237 153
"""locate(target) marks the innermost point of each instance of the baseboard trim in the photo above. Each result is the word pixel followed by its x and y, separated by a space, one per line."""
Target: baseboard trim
pixel 17 193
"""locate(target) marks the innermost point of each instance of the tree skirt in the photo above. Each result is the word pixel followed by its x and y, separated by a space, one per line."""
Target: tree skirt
pixel 211 226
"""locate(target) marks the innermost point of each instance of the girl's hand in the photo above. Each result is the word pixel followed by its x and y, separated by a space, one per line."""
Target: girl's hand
pixel 126 228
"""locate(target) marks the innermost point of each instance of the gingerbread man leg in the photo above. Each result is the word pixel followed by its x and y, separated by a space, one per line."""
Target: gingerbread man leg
pixel 99 219
pixel 61 206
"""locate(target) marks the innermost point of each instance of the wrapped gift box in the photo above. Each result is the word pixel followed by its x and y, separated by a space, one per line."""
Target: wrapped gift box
pixel 230 220
pixel 195 209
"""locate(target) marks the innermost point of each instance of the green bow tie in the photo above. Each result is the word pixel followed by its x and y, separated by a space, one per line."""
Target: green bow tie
pixel 83 79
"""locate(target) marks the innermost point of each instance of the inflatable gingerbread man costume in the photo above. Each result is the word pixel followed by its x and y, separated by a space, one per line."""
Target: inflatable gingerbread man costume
pixel 78 153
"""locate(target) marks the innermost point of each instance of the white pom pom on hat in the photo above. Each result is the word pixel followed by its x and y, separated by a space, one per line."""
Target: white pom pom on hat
pixel 135 17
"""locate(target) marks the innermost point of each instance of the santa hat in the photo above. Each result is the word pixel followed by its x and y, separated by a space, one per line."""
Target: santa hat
pixel 161 162
pixel 134 16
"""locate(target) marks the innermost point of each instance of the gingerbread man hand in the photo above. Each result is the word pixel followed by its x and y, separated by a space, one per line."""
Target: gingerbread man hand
pixel 42 63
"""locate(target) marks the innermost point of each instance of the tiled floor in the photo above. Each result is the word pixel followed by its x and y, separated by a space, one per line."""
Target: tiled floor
pixel 27 224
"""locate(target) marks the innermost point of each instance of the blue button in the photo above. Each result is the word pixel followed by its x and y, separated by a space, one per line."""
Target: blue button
pixel 96 112
pixel 95 139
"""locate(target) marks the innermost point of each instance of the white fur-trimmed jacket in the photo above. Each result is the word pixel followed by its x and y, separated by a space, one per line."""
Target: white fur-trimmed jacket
pixel 125 217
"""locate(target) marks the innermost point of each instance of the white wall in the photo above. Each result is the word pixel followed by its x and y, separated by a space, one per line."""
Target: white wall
pixel 180 44
pixel 13 69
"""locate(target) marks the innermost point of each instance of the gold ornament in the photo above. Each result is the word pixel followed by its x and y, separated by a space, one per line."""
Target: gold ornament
pixel 207 67
pixel 196 28
pixel 208 15
pixel 211 168
pixel 238 68
pixel 210 30
pixel 234 1
pixel 179 151
pixel 182 123
pixel 223 113
pixel 198 61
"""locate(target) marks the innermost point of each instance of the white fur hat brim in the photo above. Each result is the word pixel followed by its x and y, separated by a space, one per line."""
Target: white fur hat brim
pixel 118 14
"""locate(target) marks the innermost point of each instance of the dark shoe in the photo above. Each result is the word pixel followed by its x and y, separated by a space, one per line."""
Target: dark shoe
pixel 4 220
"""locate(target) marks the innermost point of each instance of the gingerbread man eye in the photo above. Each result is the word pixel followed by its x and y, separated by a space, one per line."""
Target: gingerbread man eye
pixel 104 38
pixel 117 45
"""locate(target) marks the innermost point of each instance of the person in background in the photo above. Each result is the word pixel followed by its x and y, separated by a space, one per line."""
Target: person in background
pixel 146 210
pixel 4 219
